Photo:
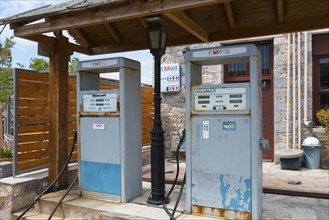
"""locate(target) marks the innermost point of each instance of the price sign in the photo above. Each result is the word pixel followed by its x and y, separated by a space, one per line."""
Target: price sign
pixel 170 78
pixel 172 88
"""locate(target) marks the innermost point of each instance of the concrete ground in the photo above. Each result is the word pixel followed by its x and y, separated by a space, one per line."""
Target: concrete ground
pixel 314 182
pixel 275 207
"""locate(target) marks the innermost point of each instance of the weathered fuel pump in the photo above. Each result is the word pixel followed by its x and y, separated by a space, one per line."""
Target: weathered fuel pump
pixel 224 136
pixel 109 130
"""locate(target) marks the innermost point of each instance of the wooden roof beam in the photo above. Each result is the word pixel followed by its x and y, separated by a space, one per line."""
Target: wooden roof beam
pixel 85 40
pixel 229 14
pixel 108 15
pixel 181 18
pixel 48 40
pixel 279 4
pixel 114 33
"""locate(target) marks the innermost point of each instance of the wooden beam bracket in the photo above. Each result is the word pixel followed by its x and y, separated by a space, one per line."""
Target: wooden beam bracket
pixel 114 33
pixel 229 14
pixel 46 42
pixel 280 11
pixel 182 19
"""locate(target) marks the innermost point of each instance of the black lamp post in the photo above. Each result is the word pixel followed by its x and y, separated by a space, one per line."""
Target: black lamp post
pixel 157 39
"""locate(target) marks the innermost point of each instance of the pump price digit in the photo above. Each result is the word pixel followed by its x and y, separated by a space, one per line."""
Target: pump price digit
pixel 172 78
pixel 172 88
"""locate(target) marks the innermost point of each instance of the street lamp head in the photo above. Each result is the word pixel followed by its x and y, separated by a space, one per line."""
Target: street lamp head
pixel 157 40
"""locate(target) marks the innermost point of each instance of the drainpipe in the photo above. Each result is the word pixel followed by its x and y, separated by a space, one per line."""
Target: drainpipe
pixel 293 91
pixel 299 94
pixel 306 121
pixel 288 93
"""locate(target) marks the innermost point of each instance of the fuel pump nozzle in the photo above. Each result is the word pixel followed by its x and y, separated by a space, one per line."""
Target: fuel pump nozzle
pixel 264 145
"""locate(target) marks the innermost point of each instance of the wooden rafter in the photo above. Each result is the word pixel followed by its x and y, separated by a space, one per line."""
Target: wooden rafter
pixel 144 23
pixel 117 14
pixel 280 11
pixel 181 18
pixel 85 40
pixel 114 33
pixel 229 14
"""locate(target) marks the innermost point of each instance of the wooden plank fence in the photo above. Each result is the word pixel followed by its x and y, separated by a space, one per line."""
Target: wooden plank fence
pixel 31 126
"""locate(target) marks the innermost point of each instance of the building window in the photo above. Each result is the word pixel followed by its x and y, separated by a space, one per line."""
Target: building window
pixel 240 71
pixel 320 50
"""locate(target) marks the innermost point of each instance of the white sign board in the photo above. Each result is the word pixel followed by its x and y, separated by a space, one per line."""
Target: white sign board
pixel 170 78
pixel 100 102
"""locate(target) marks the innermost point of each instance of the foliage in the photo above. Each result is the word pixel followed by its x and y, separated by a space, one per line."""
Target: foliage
pixel 6 151
pixel 5 53
pixel 73 65
pixel 39 64
pixel 323 117
pixel 6 83
pixel 20 65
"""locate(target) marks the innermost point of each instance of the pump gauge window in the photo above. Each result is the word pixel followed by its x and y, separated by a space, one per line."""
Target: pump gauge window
pixel 99 102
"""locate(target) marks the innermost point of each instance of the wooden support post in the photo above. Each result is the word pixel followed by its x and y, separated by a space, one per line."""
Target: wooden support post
pixel 58 110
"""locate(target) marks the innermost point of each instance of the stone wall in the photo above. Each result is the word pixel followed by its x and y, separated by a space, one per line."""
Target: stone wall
pixel 18 192
pixel 280 44
pixel 173 104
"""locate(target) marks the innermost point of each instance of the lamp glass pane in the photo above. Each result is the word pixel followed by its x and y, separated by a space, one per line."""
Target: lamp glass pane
pixel 154 38
pixel 163 39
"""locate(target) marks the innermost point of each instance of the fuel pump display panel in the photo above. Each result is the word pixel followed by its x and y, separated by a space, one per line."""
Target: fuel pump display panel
pixel 100 102
pixel 219 99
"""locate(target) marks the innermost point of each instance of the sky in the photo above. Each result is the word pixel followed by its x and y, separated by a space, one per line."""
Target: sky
pixel 24 50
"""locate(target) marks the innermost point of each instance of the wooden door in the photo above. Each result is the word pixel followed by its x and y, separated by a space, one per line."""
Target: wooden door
pixel 239 72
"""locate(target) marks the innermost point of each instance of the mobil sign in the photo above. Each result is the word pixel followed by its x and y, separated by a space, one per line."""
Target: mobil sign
pixel 170 78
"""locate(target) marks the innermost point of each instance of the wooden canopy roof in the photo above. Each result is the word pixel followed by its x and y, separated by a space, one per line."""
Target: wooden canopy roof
pixel 107 26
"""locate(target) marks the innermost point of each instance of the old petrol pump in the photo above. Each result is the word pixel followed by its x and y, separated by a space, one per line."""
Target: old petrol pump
pixel 109 130
pixel 224 136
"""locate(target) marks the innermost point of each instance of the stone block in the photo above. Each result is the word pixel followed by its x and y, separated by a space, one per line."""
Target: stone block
pixel 6 169
pixel 280 106
pixel 280 83
pixel 278 41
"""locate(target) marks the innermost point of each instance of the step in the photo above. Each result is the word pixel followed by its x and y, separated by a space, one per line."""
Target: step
pixel 76 207
pixel 33 215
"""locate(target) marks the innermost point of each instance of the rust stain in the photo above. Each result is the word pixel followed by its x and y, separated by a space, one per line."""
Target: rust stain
pixel 226 214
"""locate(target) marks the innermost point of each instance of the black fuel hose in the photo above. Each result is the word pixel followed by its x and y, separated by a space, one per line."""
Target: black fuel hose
pixel 172 215
pixel 60 201
pixel 54 181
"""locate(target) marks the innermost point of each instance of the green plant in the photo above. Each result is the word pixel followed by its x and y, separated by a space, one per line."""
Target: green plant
pixel 6 148
pixel 6 153
pixel 6 83
pixel 323 117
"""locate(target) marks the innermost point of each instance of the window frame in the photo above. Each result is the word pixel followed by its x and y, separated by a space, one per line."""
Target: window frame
pixel 246 77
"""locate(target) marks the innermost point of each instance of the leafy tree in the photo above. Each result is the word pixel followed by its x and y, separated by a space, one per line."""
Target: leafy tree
pixel 6 83
pixel 39 64
pixel 20 65
pixel 73 65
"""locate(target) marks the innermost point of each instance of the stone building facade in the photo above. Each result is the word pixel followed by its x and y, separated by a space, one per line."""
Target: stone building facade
pixel 288 92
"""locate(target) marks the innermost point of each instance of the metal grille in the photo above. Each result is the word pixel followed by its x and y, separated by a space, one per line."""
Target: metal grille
pixel 237 69
pixel 240 69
